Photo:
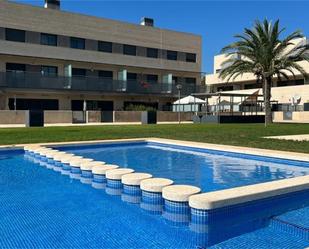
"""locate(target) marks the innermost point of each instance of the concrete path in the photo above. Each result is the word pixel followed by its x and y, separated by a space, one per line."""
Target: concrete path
pixel 302 137
pixel 89 124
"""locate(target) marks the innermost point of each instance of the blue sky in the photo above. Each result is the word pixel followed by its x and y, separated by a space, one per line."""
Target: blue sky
pixel 216 21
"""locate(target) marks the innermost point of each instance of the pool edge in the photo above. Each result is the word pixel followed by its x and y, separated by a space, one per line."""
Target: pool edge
pixel 227 148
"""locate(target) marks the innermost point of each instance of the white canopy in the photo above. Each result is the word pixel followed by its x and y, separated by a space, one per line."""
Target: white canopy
pixel 189 100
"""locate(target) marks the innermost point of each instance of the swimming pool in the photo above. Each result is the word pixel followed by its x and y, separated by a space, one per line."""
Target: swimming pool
pixel 208 169
pixel 41 208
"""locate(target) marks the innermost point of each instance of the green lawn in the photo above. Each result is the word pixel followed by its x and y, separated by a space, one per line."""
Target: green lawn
pixel 250 135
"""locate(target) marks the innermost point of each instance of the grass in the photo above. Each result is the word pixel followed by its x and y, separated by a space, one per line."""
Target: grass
pixel 250 135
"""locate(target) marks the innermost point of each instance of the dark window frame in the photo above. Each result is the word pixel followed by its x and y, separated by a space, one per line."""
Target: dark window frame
pixel 15 35
pixel 171 55
pixel 49 73
pixel 190 80
pixel 77 43
pixel 152 78
pixel 74 70
pixel 152 53
pixel 129 49
pixel 51 39
pixel 104 46
pixel 191 57
pixel 133 78
pixel 106 74
pixel 20 65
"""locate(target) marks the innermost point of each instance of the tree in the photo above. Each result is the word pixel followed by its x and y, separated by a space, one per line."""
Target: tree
pixel 262 52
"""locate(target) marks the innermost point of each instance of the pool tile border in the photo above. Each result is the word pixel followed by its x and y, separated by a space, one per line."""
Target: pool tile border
pixel 226 148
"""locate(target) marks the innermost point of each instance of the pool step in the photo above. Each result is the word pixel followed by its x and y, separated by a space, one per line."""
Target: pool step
pixel 295 222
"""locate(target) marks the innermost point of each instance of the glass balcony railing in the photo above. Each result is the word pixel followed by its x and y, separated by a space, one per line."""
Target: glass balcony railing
pixel 30 80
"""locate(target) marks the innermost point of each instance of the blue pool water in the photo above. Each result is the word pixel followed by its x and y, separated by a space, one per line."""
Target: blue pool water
pixel 40 208
pixel 210 170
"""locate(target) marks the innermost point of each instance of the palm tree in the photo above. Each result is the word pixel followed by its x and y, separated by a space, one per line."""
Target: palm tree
pixel 260 51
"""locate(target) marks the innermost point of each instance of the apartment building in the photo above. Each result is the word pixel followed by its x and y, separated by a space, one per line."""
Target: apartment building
pixel 56 60
pixel 283 91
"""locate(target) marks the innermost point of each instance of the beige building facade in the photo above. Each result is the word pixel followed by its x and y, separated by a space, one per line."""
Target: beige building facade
pixel 56 60
pixel 282 91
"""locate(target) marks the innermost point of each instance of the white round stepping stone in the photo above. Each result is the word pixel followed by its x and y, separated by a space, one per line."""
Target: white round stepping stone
pixel 155 184
pixel 101 169
pixel 32 147
pixel 90 165
pixel 116 174
pixel 179 193
pixel 69 159
pixel 77 162
pixel 57 154
pixel 134 178
pixel 58 157
pixel 50 154
pixel 45 152
pixel 39 150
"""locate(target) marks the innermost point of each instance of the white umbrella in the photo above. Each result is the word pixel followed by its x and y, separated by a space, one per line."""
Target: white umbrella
pixel 189 100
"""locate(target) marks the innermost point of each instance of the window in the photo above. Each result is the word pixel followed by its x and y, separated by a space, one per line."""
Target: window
pixel 49 71
pixel 78 43
pixel 224 88
pixel 131 76
pixel 175 79
pixel 78 72
pixel 105 46
pixel 49 39
pixel 15 35
pixel 190 80
pixel 291 83
pixel 171 55
pixel 129 50
pixel 190 57
pixel 252 86
pixel 106 74
pixel 152 78
pixel 34 104
pixel 15 67
pixel 152 52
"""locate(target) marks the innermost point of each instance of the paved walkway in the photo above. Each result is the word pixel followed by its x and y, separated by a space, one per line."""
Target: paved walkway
pixel 90 124
pixel 302 137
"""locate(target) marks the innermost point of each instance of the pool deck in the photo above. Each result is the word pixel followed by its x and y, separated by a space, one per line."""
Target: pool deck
pixel 302 137
pixel 226 148
pixel 90 124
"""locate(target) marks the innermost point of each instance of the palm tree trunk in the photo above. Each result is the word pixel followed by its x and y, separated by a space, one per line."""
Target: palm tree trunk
pixel 267 96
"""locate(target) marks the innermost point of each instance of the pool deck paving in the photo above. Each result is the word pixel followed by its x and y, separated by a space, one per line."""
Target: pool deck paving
pixel 227 148
pixel 90 124
pixel 302 137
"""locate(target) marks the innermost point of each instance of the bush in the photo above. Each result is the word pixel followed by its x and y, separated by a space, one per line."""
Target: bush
pixel 132 107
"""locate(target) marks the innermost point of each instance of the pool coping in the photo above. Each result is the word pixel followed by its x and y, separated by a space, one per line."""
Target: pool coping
pixel 227 197
pixel 226 148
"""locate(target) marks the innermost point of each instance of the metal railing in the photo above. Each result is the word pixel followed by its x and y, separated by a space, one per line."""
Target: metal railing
pixel 30 80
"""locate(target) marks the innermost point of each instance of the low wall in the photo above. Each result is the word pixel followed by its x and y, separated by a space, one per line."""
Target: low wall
pixel 127 116
pixel 12 117
pixel 94 116
pixel 57 117
pixel 173 116
pixel 135 116
pixel 297 117
pixel 65 117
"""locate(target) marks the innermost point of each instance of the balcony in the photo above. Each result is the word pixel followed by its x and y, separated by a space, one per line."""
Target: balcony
pixel 37 81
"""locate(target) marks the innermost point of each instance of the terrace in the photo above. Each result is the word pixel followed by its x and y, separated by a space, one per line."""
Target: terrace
pixel 37 81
